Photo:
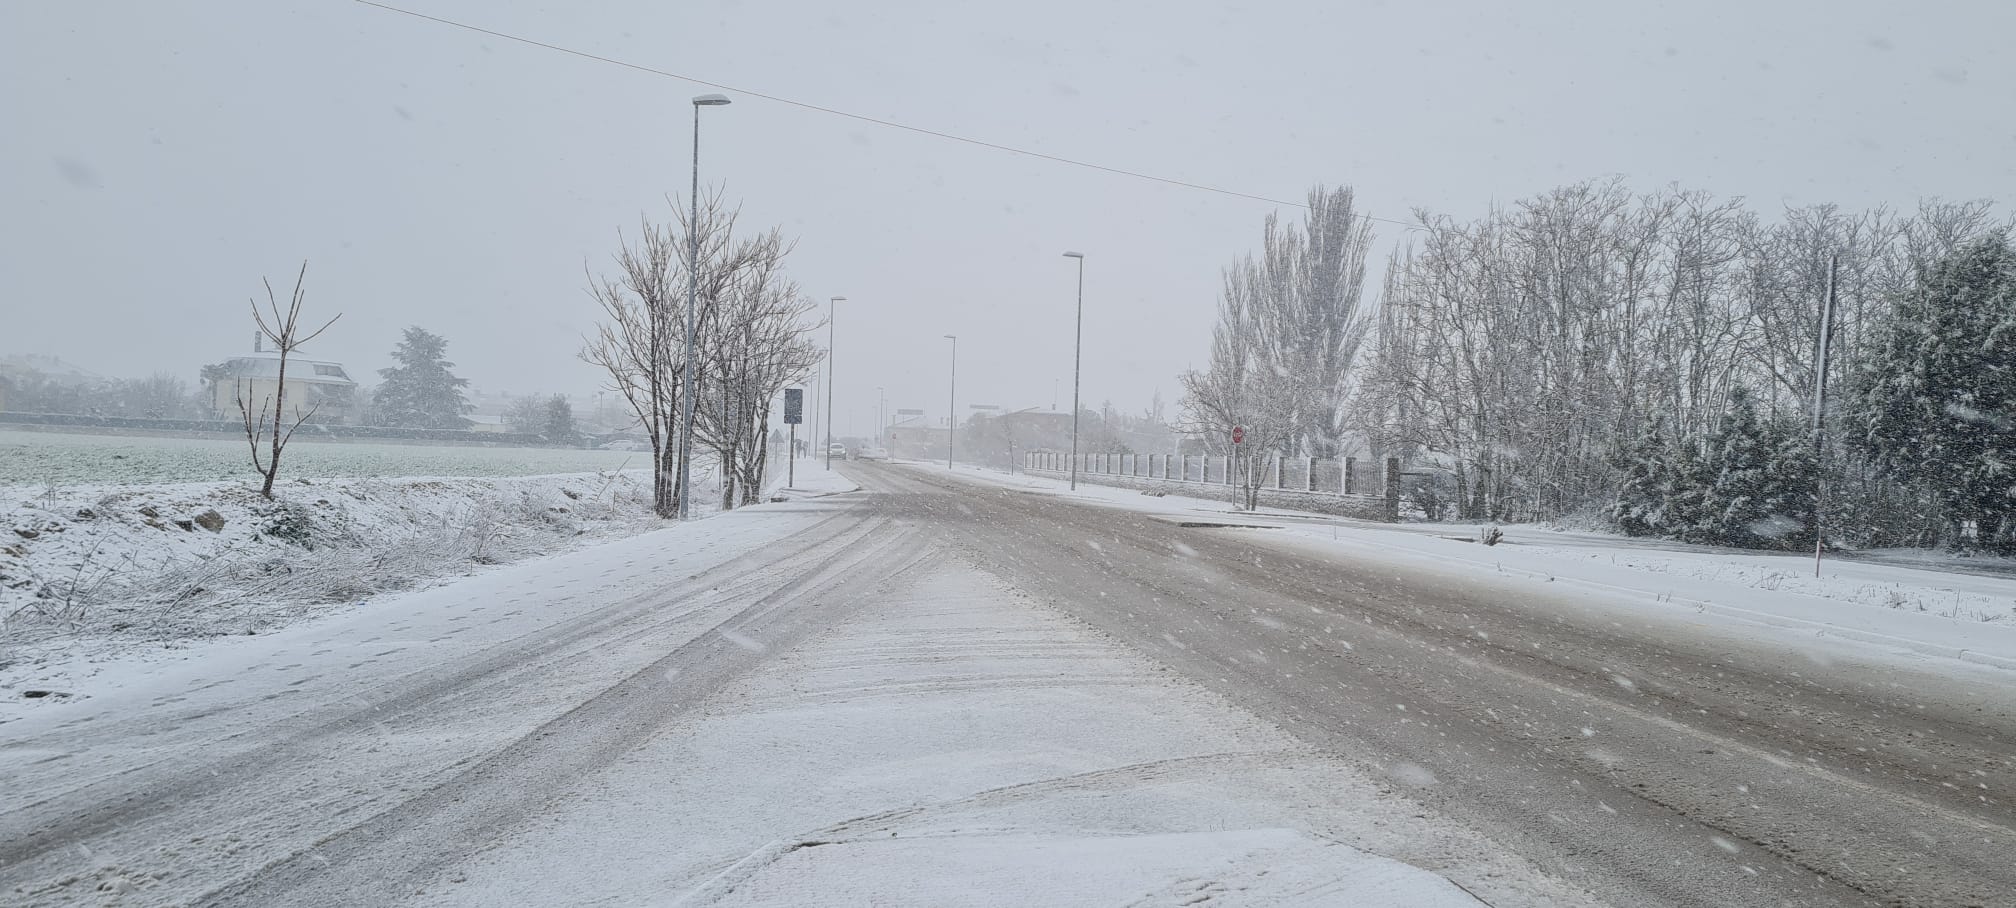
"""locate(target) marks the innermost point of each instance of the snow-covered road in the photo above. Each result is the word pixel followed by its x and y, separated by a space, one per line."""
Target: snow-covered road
pixel 941 692
pixel 804 703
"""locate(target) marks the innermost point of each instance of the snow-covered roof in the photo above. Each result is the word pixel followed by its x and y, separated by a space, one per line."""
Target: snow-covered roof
pixel 51 368
pixel 267 365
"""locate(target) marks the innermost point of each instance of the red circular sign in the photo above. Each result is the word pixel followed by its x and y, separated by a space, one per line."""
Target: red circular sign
pixel 1238 435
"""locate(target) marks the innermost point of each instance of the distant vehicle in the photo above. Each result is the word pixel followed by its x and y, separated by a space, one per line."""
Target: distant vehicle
pixel 873 454
pixel 623 446
pixel 837 449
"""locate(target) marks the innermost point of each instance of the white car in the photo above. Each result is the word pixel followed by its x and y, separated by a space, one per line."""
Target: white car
pixel 837 449
pixel 623 446
pixel 873 454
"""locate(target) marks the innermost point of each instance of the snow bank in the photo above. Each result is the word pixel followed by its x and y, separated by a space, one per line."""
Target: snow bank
pixel 87 571
pixel 174 561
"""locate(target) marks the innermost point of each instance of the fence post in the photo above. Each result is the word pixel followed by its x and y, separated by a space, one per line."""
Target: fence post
pixel 1309 478
pixel 1392 490
pixel 1350 467
pixel 1280 472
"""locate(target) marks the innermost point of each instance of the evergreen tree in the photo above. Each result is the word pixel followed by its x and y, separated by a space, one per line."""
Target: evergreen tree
pixel 1760 490
pixel 1640 507
pixel 1939 400
pixel 559 422
pixel 420 392
pixel 1686 490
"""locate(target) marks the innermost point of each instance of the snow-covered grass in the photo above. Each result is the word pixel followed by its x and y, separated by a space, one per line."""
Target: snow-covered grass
pixel 202 559
pixel 59 458
pixel 102 568
pixel 1903 605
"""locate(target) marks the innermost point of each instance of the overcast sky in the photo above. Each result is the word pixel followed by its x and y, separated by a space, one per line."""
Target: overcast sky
pixel 161 157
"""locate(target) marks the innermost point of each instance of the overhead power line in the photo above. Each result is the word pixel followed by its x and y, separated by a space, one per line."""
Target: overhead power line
pixel 864 118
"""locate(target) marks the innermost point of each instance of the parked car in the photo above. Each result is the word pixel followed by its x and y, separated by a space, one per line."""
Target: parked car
pixel 872 454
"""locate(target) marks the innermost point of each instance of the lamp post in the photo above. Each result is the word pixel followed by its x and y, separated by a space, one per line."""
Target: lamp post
pixel 829 377
pixel 692 290
pixel 952 401
pixel 881 416
pixel 1077 359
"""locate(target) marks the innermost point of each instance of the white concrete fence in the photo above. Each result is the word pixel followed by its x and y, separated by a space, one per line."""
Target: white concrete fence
pixel 1340 486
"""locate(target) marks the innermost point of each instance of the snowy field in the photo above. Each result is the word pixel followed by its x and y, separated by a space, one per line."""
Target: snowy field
pixel 62 459
pixel 1915 611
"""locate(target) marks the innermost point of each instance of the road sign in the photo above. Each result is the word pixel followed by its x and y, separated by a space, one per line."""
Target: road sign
pixel 794 406
pixel 1238 435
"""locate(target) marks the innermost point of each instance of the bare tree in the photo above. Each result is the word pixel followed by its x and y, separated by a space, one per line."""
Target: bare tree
pixel 638 346
pixel 748 328
pixel 754 343
pixel 1242 387
pixel 283 330
pixel 1309 319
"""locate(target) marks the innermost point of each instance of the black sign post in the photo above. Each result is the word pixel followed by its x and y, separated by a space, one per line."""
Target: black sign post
pixel 794 413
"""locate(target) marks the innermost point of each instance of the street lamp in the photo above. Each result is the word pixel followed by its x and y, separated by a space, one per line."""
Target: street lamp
pixel 692 289
pixel 1077 358
pixel 881 419
pixel 952 401
pixel 829 377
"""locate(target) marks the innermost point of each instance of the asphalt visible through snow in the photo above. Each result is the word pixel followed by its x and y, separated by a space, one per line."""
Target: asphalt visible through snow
pixel 1653 760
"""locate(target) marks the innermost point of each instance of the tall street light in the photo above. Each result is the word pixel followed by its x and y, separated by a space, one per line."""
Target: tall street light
pixel 829 377
pixel 1077 358
pixel 687 370
pixel 952 401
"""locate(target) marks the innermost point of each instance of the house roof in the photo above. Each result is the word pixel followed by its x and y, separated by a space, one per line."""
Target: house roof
pixel 267 365
pixel 51 368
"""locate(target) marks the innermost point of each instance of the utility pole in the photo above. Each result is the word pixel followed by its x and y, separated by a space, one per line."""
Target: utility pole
pixel 1077 363
pixel 830 381
pixel 1820 416
pixel 952 401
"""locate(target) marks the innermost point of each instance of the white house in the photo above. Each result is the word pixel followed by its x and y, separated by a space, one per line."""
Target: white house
pixel 313 386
